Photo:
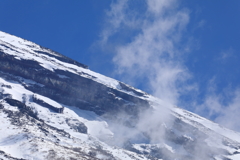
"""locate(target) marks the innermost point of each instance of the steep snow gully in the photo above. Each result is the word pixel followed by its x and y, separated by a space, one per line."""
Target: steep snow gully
pixel 52 107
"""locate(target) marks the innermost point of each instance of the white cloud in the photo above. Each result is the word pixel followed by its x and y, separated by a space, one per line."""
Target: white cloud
pixel 229 114
pixel 116 17
pixel 151 57
pixel 153 53
pixel 223 107
pixel 226 54
pixel 159 7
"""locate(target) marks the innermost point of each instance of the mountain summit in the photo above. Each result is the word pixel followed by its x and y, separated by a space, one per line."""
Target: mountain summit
pixel 53 107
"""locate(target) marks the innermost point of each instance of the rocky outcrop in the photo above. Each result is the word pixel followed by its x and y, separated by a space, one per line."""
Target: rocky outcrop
pixel 7 156
pixel 75 90
pixel 76 125
pixel 44 104
pixel 22 107
pixel 1 106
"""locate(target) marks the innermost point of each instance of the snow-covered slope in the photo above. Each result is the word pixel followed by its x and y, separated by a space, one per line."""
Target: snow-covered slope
pixel 52 107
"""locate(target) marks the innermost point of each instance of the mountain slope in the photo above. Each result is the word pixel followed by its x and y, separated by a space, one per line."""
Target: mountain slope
pixel 53 107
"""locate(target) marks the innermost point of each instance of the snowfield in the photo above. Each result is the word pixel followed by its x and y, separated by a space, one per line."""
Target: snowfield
pixel 36 131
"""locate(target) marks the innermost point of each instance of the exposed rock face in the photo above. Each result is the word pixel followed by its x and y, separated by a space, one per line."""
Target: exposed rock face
pixel 3 155
pixel 22 107
pixel 77 125
pixel 74 90
pixel 44 104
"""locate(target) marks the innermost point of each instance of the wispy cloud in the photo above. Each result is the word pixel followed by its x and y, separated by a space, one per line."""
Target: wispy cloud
pixel 226 54
pixel 229 114
pixel 223 107
pixel 154 54
pixel 151 57
pixel 115 18
pixel 149 45
pixel 119 18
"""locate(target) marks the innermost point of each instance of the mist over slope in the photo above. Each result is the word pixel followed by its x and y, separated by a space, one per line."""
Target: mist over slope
pixel 52 107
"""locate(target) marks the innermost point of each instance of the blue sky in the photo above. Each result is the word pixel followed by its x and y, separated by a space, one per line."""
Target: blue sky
pixel 185 52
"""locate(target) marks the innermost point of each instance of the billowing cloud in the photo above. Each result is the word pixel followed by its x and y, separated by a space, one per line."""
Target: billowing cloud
pixel 149 43
pixel 148 50
pixel 153 56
